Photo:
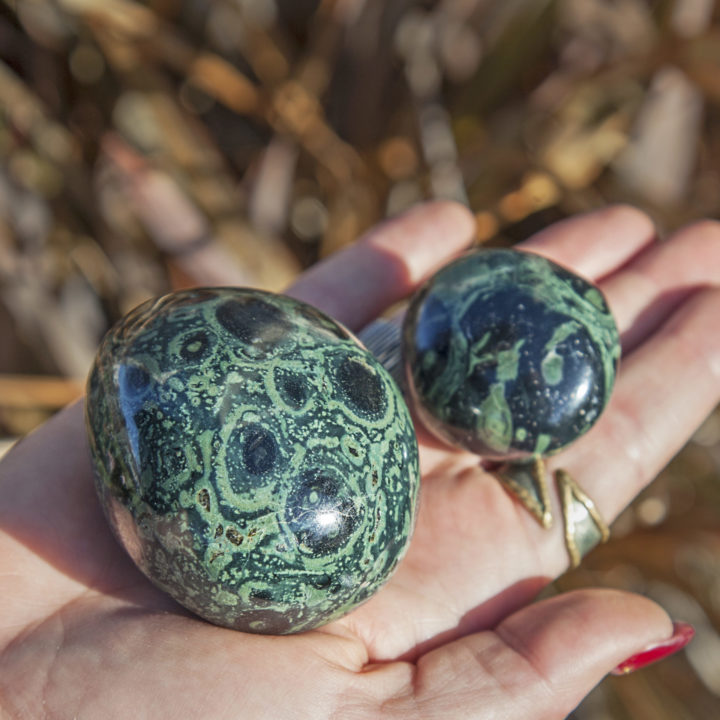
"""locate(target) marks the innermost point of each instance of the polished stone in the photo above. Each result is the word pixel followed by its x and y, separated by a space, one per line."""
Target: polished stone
pixel 509 355
pixel 255 461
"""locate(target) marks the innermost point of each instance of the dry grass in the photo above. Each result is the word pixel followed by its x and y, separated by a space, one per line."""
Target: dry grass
pixel 145 146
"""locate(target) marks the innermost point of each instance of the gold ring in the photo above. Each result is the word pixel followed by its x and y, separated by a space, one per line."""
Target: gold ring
pixel 584 526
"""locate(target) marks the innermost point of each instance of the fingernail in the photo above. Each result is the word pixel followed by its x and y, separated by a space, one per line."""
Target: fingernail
pixel 682 634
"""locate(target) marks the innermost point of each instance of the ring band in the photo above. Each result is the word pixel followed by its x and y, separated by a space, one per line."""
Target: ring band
pixel 526 482
pixel 584 526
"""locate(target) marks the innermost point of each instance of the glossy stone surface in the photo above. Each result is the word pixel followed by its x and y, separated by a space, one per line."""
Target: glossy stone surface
pixel 509 355
pixel 255 461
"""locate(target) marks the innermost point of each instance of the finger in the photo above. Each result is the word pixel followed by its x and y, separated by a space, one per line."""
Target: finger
pixel 666 388
pixel 384 266
pixel 595 244
pixel 539 662
pixel 652 285
pixel 181 231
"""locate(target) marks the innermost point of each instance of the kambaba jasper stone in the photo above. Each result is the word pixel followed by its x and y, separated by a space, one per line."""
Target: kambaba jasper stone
pixel 509 355
pixel 256 462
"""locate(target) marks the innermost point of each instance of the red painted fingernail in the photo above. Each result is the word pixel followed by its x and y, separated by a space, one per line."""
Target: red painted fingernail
pixel 682 634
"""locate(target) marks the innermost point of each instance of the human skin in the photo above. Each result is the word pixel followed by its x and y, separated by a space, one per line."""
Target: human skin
pixel 83 634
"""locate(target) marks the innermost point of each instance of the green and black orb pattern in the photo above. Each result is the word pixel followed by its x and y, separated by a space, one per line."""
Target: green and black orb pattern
pixel 509 355
pixel 257 463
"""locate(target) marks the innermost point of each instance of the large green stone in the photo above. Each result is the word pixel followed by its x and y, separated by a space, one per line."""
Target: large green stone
pixel 256 462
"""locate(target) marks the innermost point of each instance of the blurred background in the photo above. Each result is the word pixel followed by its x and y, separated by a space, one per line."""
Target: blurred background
pixel 153 145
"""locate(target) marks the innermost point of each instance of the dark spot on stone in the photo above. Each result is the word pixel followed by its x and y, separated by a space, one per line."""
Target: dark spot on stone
pixel 374 477
pixel 291 386
pixel 259 450
pixel 176 460
pixel 320 516
pixel 322 581
pixel 204 499
pixel 254 322
pixel 195 347
pixel 362 387
pixel 218 531
pixel 234 536
pixel 353 451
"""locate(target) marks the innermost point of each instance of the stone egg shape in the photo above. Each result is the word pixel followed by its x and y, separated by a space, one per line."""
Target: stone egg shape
pixel 256 462
pixel 509 355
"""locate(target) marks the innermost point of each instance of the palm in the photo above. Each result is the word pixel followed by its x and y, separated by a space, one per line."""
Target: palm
pixel 101 610
pixel 84 631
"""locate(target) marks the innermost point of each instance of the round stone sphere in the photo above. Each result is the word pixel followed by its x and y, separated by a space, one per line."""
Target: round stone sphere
pixel 509 355
pixel 256 462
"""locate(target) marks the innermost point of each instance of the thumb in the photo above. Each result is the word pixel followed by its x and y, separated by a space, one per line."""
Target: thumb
pixel 539 662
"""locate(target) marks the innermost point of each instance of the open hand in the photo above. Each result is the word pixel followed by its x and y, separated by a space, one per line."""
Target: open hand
pixel 455 632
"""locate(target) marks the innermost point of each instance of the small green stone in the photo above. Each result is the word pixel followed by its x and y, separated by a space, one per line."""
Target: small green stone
pixel 256 462
pixel 509 355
